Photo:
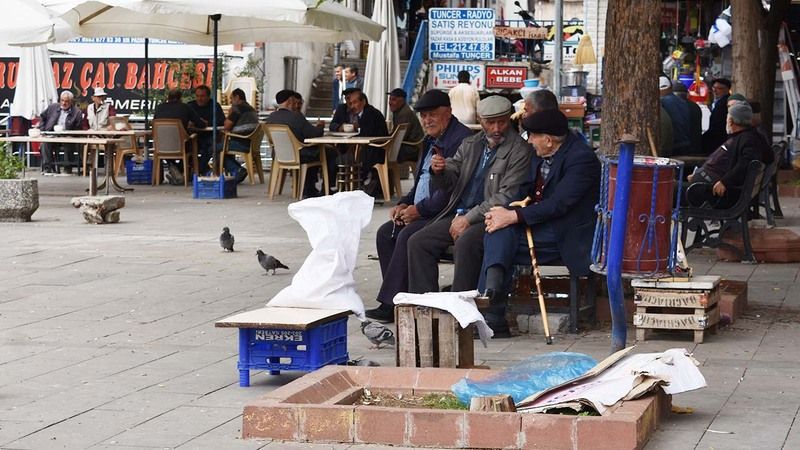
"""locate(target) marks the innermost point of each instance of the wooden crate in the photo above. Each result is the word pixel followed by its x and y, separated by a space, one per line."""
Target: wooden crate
pixel 677 305
pixel 430 337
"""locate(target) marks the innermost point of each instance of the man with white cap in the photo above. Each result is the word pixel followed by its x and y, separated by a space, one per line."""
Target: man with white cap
pixel 678 110
pixel 487 170
pixel 99 111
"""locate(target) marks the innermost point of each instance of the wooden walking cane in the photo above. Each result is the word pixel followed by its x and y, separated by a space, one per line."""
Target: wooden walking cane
pixel 537 276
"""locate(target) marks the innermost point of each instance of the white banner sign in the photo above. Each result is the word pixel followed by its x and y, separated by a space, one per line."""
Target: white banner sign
pixel 461 33
pixel 445 74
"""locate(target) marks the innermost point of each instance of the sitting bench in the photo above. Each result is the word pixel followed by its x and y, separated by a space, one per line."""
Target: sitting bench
pixel 738 215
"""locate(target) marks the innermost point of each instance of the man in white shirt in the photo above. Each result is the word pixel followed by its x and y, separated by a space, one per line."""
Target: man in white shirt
pixel 464 99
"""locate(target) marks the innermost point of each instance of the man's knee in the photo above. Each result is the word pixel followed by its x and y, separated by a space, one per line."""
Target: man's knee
pixel 384 233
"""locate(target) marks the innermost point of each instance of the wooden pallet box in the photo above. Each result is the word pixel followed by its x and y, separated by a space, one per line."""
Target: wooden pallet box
pixel 430 337
pixel 675 304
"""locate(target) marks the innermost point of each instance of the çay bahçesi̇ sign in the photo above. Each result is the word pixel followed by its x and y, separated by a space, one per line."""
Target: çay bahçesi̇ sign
pixel 461 33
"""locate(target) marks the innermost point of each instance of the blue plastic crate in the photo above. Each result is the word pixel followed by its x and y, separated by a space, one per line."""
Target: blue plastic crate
pixel 213 188
pixel 139 173
pixel 280 349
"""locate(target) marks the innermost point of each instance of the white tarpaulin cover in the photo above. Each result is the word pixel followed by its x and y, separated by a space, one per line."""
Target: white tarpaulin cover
pixel 241 20
pixel 382 73
pixel 333 225
pixel 29 23
pixel 461 305
pixel 36 86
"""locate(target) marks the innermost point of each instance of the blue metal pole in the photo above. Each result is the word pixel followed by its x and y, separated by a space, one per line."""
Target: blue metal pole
pixel 214 86
pixel 616 244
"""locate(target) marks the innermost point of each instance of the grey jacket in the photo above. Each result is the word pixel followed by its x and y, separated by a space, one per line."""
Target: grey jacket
pixel 508 172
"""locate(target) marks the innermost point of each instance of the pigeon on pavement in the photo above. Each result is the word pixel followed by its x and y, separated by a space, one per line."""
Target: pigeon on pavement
pixel 226 240
pixel 269 262
pixel 377 333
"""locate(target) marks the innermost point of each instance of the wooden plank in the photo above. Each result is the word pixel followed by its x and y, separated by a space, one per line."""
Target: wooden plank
pixel 466 347
pixel 282 318
pixel 670 321
pixel 448 336
pixel 424 319
pixel 706 282
pixel 676 298
pixel 406 337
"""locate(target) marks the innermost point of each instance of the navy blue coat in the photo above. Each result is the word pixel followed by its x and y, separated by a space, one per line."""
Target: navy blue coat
pixel 449 143
pixel 568 201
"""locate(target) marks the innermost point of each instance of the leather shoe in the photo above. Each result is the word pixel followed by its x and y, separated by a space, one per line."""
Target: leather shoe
pixel 241 175
pixel 499 325
pixel 383 313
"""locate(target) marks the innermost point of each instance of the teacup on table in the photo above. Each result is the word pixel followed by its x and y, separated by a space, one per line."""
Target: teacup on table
pixel 58 128
pixel 34 132
pixel 348 127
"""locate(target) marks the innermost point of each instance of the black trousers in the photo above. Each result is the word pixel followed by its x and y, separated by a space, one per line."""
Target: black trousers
pixel 426 246
pixel 393 257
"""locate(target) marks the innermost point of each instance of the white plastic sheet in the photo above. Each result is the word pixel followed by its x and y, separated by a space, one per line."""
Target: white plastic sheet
pixel 333 225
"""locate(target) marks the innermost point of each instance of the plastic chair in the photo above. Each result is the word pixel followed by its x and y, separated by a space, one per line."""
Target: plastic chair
pixel 392 149
pixel 413 164
pixel 252 157
pixel 287 158
pixel 128 145
pixel 169 142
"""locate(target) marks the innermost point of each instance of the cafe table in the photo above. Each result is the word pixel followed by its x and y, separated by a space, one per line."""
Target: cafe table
pixel 108 143
pixel 347 176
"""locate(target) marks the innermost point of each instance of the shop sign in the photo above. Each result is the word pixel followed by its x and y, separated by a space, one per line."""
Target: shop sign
pixel 461 33
pixel 445 74
pixel 505 77
pixel 521 33
pixel 122 78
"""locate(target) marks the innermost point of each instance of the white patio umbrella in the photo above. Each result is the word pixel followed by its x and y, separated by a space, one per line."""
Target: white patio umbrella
pixel 32 28
pixel 240 20
pixel 382 73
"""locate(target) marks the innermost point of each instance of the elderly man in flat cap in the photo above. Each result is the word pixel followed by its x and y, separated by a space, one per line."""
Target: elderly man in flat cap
pixel 402 113
pixel 562 183
pixel 443 136
pixel 487 170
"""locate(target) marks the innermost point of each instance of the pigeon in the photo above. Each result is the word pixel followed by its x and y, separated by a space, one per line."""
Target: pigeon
pixel 269 262
pixel 377 333
pixel 226 240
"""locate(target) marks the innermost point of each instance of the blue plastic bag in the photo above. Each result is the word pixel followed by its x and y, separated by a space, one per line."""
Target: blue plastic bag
pixel 532 375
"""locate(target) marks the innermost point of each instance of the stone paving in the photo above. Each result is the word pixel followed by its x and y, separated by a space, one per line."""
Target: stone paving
pixel 108 337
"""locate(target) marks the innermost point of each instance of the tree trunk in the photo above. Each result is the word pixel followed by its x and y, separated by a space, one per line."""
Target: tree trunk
pixel 630 94
pixel 747 73
pixel 778 12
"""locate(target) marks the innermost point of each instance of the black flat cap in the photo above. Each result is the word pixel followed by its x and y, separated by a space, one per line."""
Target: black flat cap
pixel 283 95
pixel 432 99
pixel 551 121
pixel 397 92
pixel 349 91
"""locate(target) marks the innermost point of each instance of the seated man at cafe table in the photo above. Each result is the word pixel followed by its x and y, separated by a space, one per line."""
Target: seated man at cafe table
pixel 174 108
pixel 718 183
pixel 98 112
pixel 402 113
pixel 562 184
pixel 63 115
pixel 302 130
pixel 443 136
pixel 367 121
pixel 202 106
pixel 487 170
pixel 242 120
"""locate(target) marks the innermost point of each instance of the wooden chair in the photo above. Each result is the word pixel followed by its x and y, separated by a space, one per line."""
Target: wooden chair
pixel 286 148
pixel 128 146
pixel 169 142
pixel 252 157
pixel 391 149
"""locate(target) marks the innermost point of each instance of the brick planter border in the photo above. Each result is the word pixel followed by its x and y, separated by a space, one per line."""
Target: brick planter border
pixel 319 408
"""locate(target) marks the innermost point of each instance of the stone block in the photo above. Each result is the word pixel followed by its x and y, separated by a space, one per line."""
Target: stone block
pixel 493 430
pixel 732 301
pixel 770 245
pixel 522 323
pixel 19 199
pixel 99 209
pixel 439 429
